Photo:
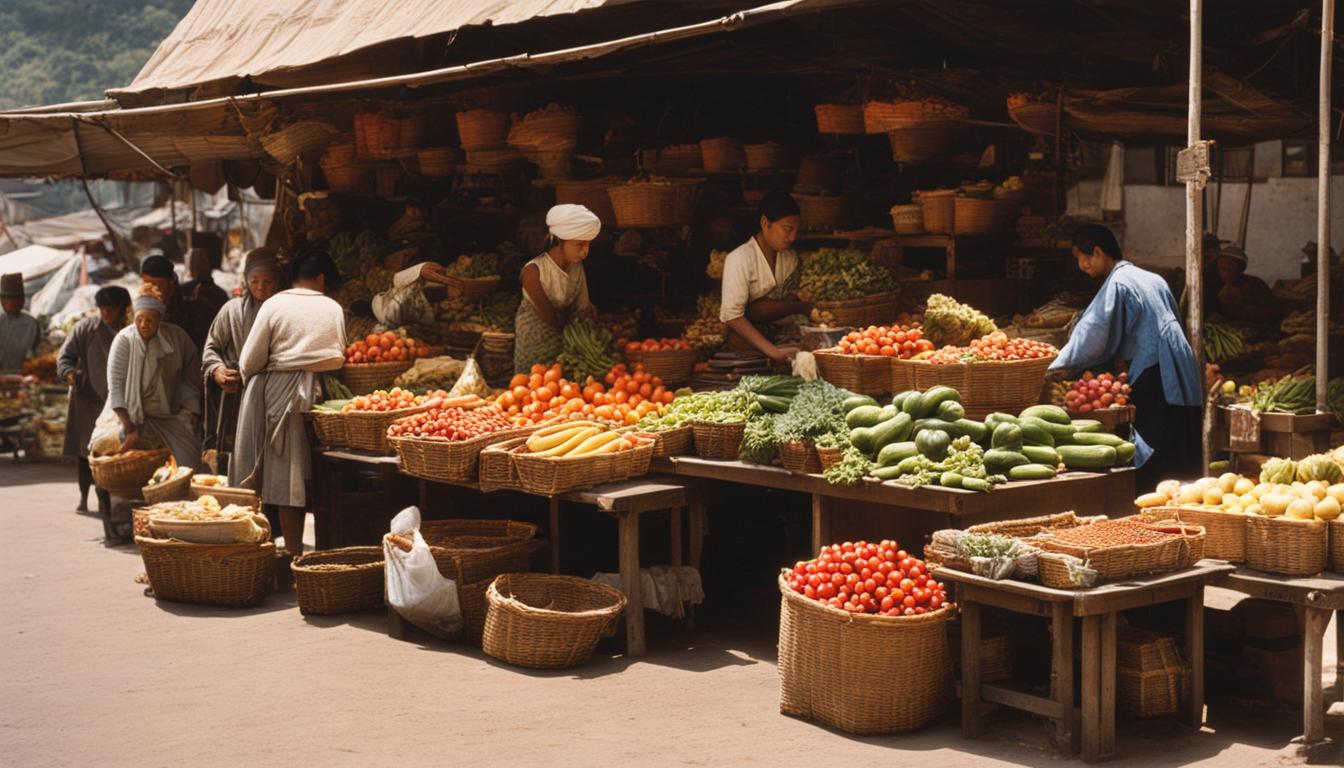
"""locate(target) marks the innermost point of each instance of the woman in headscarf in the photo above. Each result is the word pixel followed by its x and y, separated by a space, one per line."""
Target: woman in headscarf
pixel 82 364
pixel 153 382
pixel 555 287
pixel 298 334
pixel 224 346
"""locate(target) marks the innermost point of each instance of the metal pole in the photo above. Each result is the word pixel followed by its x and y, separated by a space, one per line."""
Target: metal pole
pixel 1323 210
pixel 1194 234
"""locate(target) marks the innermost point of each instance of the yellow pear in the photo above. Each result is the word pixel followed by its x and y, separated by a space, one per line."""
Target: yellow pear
pixel 1190 494
pixel 1336 492
pixel 1274 504
pixel 1317 488
pixel 1254 509
pixel 1227 481
pixel 1327 508
pixel 1172 488
pixel 1231 500
pixel 1243 486
pixel 1262 488
pixel 1213 495
pixel 1301 509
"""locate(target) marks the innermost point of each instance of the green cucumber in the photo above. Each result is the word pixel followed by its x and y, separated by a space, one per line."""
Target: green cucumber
pixel 933 443
pixel 993 420
pixel 1034 435
pixel 893 453
pixel 951 479
pixel 1031 472
pixel 910 403
pixel 999 460
pixel 857 401
pixel 976 484
pixel 1098 438
pixel 1087 425
pixel 1050 413
pixel 898 400
pixel 893 430
pixel 864 416
pixel 1087 456
pixel 934 397
pixel 977 431
pixel 1041 454
pixel 1060 432
pixel 950 410
pixel 1124 453
pixel 1008 436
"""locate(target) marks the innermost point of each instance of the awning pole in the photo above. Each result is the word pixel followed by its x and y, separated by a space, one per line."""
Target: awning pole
pixel 1323 211
pixel 1194 234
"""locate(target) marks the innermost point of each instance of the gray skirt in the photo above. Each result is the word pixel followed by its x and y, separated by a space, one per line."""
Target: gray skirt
pixel 270 452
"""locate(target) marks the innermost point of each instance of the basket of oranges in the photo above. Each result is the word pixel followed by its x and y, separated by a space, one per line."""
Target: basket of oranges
pixel 868 361
pixel 672 360
pixel 378 359
pixel 623 396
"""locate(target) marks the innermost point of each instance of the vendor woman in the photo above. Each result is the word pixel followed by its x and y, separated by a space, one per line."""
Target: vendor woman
pixel 555 287
pixel 1134 318
pixel 760 275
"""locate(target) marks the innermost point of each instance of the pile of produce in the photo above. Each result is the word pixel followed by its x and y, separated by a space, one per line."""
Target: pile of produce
pixel 817 410
pixel 1111 533
pixel 1222 342
pixel 652 345
pixel 730 407
pixel 389 346
pixel 832 274
pixel 995 347
pixel 714 268
pixel 877 578
pixel 450 423
pixel 901 340
pixel 392 399
pixel 1304 323
pixel 578 438
pixel 949 322
pixel 169 471
pixel 1054 314
pixel 205 508
pixel 621 326
pixel 821 318
pixel 474 266
pixel 850 470
pixel 498 311
pixel 356 254
pixel 1295 393
pixel 431 373
pixel 1094 392
pixel 622 396
pixel 42 367
pixel 1278 494
pixel 705 333
pixel 586 350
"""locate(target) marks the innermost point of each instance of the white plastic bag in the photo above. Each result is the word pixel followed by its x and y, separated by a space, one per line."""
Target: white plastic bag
pixel 415 588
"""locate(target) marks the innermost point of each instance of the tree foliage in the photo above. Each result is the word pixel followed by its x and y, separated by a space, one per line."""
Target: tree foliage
pixel 54 51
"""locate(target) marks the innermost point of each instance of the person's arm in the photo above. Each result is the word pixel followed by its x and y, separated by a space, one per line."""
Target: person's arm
pixel 1097 335
pixel 72 351
pixel 118 358
pixel 257 348
pixel 213 365
pixel 744 328
pixel 531 279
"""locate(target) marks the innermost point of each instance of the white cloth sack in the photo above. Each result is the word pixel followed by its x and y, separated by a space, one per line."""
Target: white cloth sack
pixel 415 588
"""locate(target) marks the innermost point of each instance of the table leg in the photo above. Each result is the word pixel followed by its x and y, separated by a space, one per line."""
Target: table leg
pixel 397 627
pixel 1091 688
pixel 553 531
pixel 697 530
pixel 1313 702
pixel 424 496
pixel 1061 668
pixel 325 514
pixel 674 541
pixel 634 608
pixel 821 522
pixel 1194 652
pixel 970 669
pixel 1109 622
pixel 951 261
pixel 1339 655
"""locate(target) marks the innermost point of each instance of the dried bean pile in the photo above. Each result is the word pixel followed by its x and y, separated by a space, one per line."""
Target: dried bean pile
pixel 1112 533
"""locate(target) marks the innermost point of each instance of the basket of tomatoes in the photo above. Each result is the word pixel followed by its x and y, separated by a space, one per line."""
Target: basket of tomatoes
pixel 375 361
pixel 993 373
pixel 867 361
pixel 444 443
pixel 622 397
pixel 863 640
pixel 367 417
pixel 1104 397
pixel 672 360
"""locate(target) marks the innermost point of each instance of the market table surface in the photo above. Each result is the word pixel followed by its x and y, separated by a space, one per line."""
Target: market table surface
pixel 1317 596
pixel 1098 608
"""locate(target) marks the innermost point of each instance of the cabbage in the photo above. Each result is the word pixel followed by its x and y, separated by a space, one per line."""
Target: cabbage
pixel 1319 467
pixel 1278 471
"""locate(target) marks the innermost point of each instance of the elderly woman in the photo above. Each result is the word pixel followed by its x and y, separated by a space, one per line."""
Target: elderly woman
pixel 224 345
pixel 82 364
pixel 153 382
pixel 297 335
pixel 555 287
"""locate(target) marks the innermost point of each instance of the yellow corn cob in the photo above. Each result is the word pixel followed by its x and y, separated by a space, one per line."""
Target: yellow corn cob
pixel 540 442
pixel 595 444
pixel 564 448
pixel 562 427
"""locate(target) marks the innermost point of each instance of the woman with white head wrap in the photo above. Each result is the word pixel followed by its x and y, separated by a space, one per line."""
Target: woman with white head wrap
pixel 555 287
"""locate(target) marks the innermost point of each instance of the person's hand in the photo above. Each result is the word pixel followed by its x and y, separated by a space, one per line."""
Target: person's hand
pixel 70 379
pixel 1058 374
pixel 227 378
pixel 131 441
pixel 434 273
pixel 783 355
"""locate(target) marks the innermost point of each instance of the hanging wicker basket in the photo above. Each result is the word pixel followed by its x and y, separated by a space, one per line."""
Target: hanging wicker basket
pixel 820 211
pixel 590 193
pixel 654 204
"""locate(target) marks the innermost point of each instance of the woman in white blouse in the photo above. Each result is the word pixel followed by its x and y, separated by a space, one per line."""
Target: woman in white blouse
pixel 555 287
pixel 761 275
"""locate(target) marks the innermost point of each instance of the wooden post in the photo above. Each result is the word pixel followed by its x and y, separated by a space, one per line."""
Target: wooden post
pixel 1061 667
pixel 970 669
pixel 1106 690
pixel 1323 210
pixel 821 522
pixel 697 526
pixel 1313 702
pixel 634 609
pixel 1091 688
pixel 553 531
pixel 674 540
pixel 1194 226
pixel 1194 652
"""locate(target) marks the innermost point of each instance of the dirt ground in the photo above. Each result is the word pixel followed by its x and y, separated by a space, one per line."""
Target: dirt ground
pixel 92 672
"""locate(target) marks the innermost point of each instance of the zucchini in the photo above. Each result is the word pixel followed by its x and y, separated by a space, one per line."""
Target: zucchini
pixel 1097 438
pixel 1087 456
pixel 1062 433
pixel 864 416
pixel 1041 454
pixel 950 410
pixel 1034 435
pixel 1124 453
pixel 887 473
pixel 893 453
pixel 922 424
pixel 999 460
pixel 1086 425
pixel 993 420
pixel 856 401
pixel 899 399
pixel 774 403
pixel 951 479
pixel 1051 413
pixel 1007 436
pixel 933 443
pixel 934 397
pixel 893 430
pixel 1031 472
pixel 976 484
pixel 977 431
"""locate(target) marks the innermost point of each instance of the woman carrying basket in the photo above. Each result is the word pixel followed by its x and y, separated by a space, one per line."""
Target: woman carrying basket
pixel 555 287
pixel 760 275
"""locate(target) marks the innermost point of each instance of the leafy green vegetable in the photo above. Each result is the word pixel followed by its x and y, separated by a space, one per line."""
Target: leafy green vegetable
pixel 717 407
pixel 759 442
pixel 986 545
pixel 852 467
pixel 817 410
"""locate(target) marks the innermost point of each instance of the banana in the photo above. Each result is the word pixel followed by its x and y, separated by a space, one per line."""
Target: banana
pixel 538 442
pixel 544 431
pixel 564 448
pixel 595 444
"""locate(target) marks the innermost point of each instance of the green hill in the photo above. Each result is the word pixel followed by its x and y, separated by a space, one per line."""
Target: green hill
pixel 54 51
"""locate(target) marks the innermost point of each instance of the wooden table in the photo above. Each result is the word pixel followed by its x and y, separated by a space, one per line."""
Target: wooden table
pixel 1317 596
pixel 1110 493
pixel 1099 609
pixel 330 496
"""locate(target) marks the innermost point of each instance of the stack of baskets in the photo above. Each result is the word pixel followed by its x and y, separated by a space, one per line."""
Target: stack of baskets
pixel 1151 677
pixel 553 475
pixel 663 203
pixel 363 378
pixel 590 193
pixel 483 129
pixel 346 580
pixel 673 366
pixel 1008 386
pixel 548 622
pixel 125 474
pixel 722 155
pixel 473 552
pixel 859 673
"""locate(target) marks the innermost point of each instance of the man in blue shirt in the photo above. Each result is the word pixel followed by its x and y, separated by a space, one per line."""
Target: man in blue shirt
pixel 1134 318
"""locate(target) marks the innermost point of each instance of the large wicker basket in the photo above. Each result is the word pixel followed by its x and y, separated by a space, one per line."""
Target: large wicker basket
pixel 940 210
pixel 820 211
pixel 717 441
pixel 800 457
pixel 654 204
pixel 592 194
pixel 986 387
pixel 1286 546
pixel 329 426
pixel 473 552
pixel 861 374
pixel 877 309
pixel 495 468
pixel 1127 560
pixel 858 673
pixel 766 157
pixel 345 580
pixel 976 216
pixel 908 219
pixel 922 141
pixel 679 441
pixel 1336 533
pixel 548 622
pixel 886 116
pixel 125 474
pixel 226 495
pixel 553 475
pixel 176 489
pixel 448 461
pixel 1151 677
pixel 839 118
pixel 483 129
pixel 439 162
pixel 233 575
pixel 363 378
pixel 722 155
pixel 1224 532
pixel 673 366
pixel 367 430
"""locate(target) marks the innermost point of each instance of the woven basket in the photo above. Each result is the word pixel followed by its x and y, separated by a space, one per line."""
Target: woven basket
pixel 495 467
pixel 1126 560
pixel 766 157
pixel 887 116
pixel 860 374
pixel 1037 117
pixel 233 575
pixel 908 219
pixel 301 138
pixel 820 211
pixel 550 476
pixel 800 457
pixel 177 489
pixel 1335 530
pixel 553 165
pixel 839 118
pixel 350 177
pixel 343 580
pixel 1224 533
pixel 243 497
pixel 922 141
pixel 722 155
pixel 676 158
pixel 439 162
pixel 996 663
pixel 329 426
pixel 977 216
pixel 473 552
pixel 1151 677
pixel 679 441
pixel 448 461
pixel 592 194
pixel 829 457
pixel 986 387
pixel 548 622
pixel 363 378
pixel 1029 526
pixel 877 309
pixel 859 673
pixel 1285 546
pixel 471 287
pixel 483 129
pixel 654 204
pixel 940 210
pixel 125 475
pixel 717 441
pixel 673 366
pixel 367 430
pixel 550 130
